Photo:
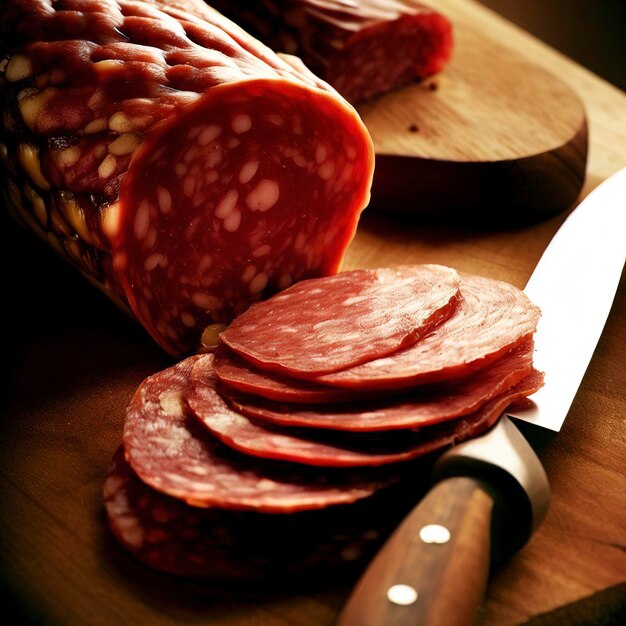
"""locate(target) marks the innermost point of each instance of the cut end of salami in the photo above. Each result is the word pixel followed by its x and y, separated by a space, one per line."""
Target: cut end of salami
pixel 253 188
pixel 363 48
pixel 175 160
pixel 391 54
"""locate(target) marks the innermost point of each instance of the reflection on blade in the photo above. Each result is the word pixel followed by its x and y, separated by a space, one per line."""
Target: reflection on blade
pixel 574 283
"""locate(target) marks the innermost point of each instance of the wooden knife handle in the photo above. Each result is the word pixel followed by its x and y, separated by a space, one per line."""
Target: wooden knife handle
pixel 433 570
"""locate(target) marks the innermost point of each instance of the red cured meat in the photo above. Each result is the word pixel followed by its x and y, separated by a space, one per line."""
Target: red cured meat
pixel 362 48
pixel 418 408
pixel 234 374
pixel 321 448
pixel 175 455
pixel 492 318
pixel 328 324
pixel 170 536
pixel 174 159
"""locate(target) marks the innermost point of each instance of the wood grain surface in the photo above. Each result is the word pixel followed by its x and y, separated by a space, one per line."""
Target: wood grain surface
pixel 73 362
pixel 494 139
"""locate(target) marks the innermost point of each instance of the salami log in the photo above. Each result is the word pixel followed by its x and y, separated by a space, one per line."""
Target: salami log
pixel 178 162
pixel 492 318
pixel 362 48
pixel 176 455
pixel 420 407
pixel 328 324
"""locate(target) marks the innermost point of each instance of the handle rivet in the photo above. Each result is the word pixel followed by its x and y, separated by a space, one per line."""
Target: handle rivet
pixel 434 533
pixel 401 594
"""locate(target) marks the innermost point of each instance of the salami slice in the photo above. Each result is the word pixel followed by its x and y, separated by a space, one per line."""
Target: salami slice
pixel 174 159
pixel 177 456
pixel 362 48
pixel 333 449
pixel 236 375
pixel 421 407
pixel 492 318
pixel 329 324
pixel 236 546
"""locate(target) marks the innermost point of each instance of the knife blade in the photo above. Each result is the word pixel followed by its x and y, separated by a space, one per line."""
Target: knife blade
pixel 491 493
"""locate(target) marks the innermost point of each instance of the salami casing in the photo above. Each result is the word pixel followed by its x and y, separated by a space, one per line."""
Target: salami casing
pixel 328 324
pixel 174 454
pixel 174 159
pixel 362 48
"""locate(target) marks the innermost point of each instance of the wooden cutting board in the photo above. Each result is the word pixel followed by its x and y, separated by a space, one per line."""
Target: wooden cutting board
pixel 72 363
pixel 493 139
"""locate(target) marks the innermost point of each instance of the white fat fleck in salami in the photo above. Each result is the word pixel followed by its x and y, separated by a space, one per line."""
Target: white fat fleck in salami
pixel 205 301
pixel 232 220
pixel 320 153
pixel 208 134
pixel 241 123
pixel 175 455
pixel 492 318
pixel 247 172
pixel 164 199
pixel 227 203
pixel 142 220
pixel 258 283
pixel 327 170
pixel 155 260
pixel 264 196
pixel 262 250
pixel 286 334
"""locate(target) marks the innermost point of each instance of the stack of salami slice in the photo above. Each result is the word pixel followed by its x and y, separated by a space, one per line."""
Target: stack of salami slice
pixel 320 396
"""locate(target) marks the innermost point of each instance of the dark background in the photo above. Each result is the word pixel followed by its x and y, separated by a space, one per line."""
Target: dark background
pixel 592 32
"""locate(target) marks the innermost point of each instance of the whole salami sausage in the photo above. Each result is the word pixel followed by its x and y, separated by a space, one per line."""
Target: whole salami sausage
pixel 178 162
pixel 362 48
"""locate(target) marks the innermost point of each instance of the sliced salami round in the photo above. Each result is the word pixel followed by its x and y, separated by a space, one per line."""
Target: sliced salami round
pixel 333 449
pixel 421 407
pixel 235 374
pixel 236 546
pixel 173 453
pixel 328 324
pixel 492 318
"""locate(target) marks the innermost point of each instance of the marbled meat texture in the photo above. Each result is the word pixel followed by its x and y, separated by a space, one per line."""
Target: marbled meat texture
pixel 363 48
pixel 174 159
pixel 237 375
pixel 173 453
pixel 326 448
pixel 329 324
pixel 221 545
pixel 416 408
pixel 491 319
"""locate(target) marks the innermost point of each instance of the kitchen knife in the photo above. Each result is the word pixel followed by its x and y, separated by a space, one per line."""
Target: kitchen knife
pixel 491 493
